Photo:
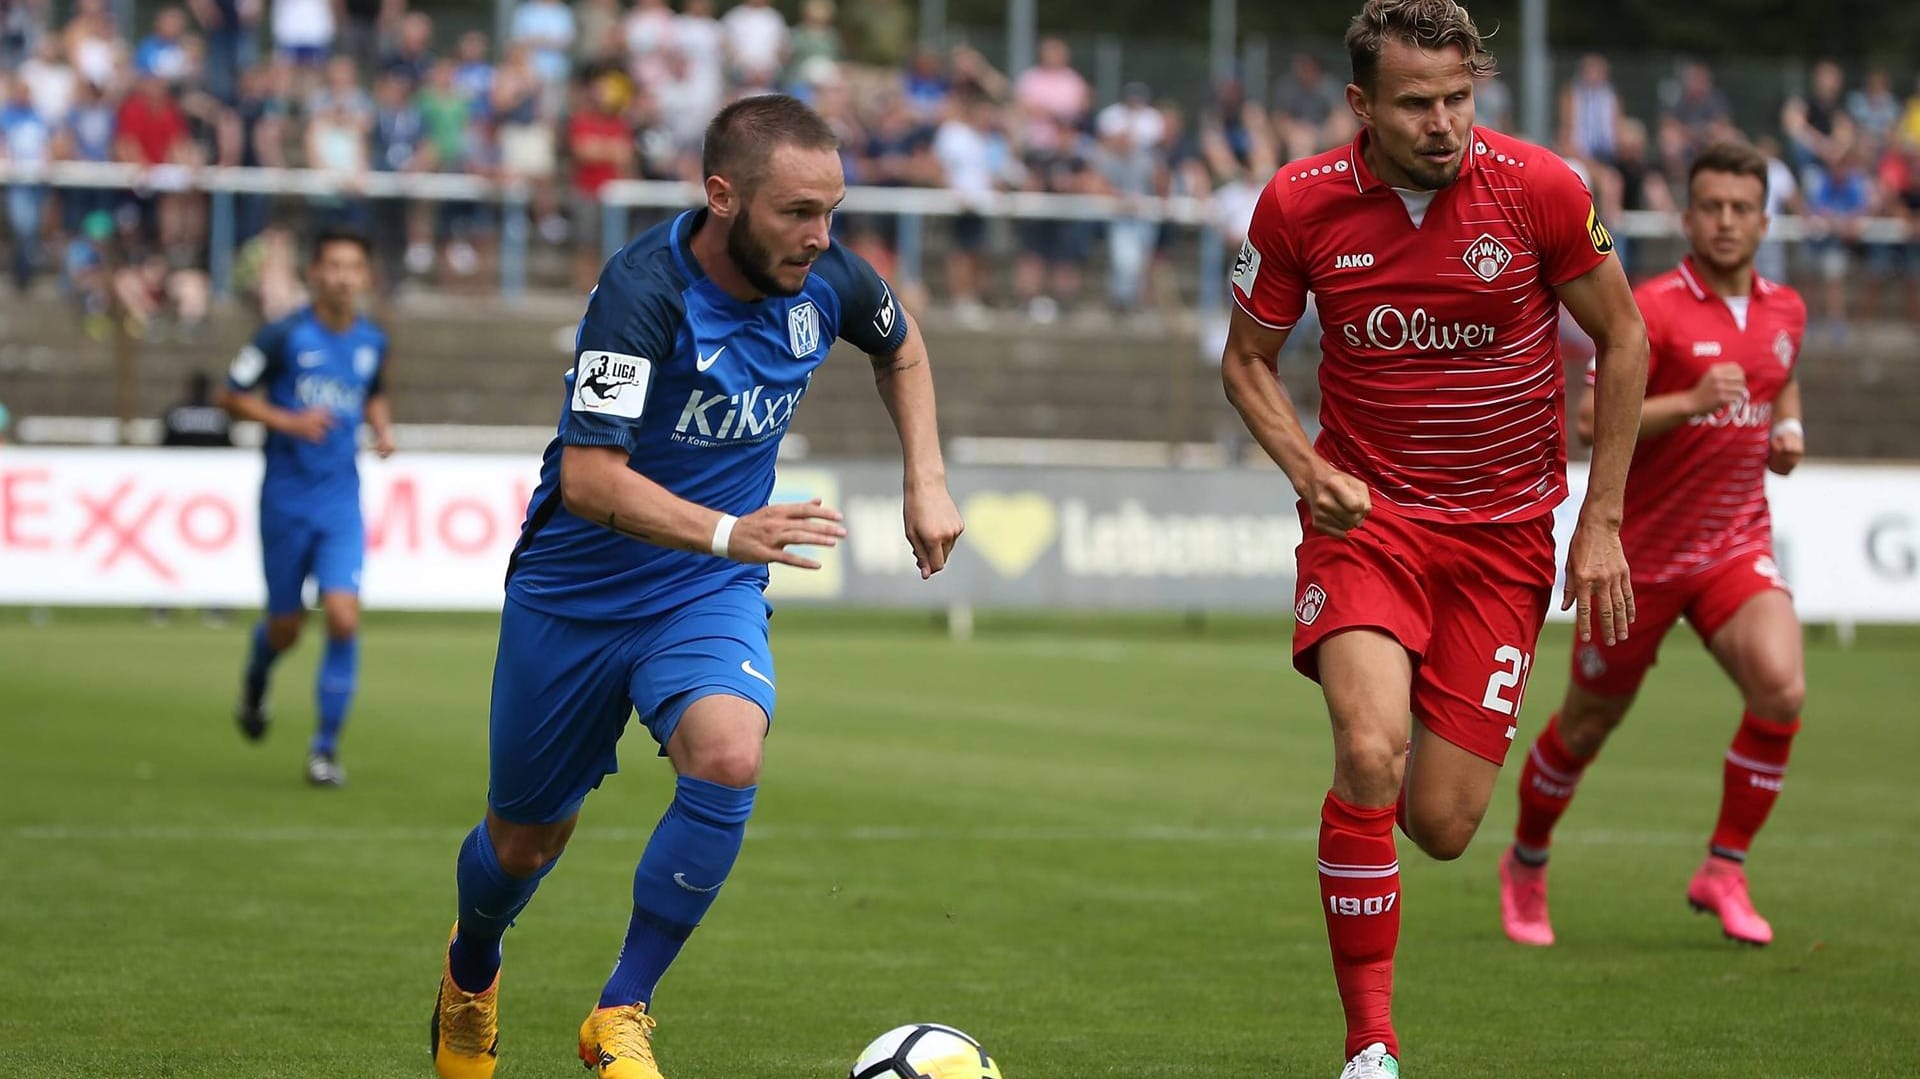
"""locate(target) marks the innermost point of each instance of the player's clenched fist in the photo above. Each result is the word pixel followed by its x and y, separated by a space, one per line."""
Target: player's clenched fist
pixel 1337 501
pixel 1720 386
pixel 765 534
pixel 1785 449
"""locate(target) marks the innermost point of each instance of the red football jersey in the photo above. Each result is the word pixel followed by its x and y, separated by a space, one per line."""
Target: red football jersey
pixel 1440 379
pixel 1697 495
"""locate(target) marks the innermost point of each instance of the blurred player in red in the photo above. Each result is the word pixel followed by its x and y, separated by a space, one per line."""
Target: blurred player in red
pixel 1438 254
pixel 1722 408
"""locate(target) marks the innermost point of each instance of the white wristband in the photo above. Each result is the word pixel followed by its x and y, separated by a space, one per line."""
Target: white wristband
pixel 723 534
pixel 1790 424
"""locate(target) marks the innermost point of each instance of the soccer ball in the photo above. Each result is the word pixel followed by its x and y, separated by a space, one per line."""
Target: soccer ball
pixel 924 1051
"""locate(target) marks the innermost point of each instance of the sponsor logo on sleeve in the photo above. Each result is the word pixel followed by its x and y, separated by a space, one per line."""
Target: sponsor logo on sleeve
pixel 1597 232
pixel 884 319
pixel 611 384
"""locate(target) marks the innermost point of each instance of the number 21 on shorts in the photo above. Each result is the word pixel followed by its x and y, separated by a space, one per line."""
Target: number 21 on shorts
pixel 1510 675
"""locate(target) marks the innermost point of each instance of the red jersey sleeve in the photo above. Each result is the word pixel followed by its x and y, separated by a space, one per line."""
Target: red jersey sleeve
pixel 1568 233
pixel 1797 335
pixel 1268 281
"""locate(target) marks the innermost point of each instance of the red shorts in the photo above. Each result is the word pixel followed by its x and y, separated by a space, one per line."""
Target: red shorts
pixel 1466 600
pixel 1708 599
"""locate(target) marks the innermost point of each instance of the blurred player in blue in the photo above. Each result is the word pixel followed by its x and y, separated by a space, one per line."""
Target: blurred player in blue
pixel 637 581
pixel 311 379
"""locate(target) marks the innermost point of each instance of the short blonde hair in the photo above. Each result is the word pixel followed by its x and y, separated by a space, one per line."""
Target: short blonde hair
pixel 1424 24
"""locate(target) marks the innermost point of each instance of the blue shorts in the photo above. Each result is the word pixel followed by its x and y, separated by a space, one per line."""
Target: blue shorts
pixel 305 55
pixel 330 551
pixel 563 688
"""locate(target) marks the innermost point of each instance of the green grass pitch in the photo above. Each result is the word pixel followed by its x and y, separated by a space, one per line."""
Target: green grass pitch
pixel 1087 842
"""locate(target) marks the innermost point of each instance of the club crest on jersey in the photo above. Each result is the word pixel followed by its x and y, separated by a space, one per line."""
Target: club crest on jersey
pixel 1592 664
pixel 1486 257
pixel 611 384
pixel 365 359
pixel 1783 348
pixel 1312 602
pixel 803 330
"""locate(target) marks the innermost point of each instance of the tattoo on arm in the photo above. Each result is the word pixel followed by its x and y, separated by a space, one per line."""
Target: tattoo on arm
pixel 885 367
pixel 613 522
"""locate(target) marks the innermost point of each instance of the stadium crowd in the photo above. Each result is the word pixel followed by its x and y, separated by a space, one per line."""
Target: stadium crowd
pixel 580 94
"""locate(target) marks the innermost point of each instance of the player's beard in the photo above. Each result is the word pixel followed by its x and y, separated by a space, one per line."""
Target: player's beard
pixel 1432 177
pixel 752 258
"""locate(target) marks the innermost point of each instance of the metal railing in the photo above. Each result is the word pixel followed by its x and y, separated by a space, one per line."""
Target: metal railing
pixel 911 207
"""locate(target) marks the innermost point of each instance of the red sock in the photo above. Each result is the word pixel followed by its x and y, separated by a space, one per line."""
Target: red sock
pixel 1360 895
pixel 1547 783
pixel 1756 767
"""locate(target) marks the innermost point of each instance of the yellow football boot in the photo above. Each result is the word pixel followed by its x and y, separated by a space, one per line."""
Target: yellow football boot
pixel 617 1043
pixel 466 1029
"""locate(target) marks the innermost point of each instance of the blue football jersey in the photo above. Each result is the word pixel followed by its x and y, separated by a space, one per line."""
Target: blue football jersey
pixel 697 387
pixel 300 364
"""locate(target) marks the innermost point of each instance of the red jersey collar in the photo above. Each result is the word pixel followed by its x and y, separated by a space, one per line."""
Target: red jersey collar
pixel 1697 285
pixel 1363 178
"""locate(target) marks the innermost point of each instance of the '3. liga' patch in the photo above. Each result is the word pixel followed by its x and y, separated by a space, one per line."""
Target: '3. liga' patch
pixel 611 384
pixel 1246 268
pixel 1597 232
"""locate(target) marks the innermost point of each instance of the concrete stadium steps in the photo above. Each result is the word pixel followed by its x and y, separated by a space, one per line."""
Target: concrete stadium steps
pixel 465 360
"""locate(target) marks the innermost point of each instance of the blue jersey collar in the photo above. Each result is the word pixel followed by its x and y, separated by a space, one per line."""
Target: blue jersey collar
pixel 683 230
pixel 683 227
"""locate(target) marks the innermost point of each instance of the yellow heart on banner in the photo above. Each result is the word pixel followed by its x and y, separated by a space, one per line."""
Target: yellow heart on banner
pixel 1011 531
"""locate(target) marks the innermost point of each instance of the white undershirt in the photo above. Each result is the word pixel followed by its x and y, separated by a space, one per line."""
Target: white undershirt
pixel 1416 203
pixel 1738 305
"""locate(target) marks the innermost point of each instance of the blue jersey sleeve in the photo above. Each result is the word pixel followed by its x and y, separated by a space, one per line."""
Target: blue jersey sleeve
pixel 870 317
pixel 377 385
pixel 630 328
pixel 260 359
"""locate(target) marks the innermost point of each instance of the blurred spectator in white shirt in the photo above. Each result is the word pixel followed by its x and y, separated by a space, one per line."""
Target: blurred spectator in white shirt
pixel 756 41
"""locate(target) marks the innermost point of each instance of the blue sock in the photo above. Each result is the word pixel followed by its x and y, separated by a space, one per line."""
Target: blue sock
pixel 260 659
pixel 489 901
pixel 333 691
pixel 692 851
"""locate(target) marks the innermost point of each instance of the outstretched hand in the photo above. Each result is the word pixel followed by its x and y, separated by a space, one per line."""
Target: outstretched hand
pixel 764 535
